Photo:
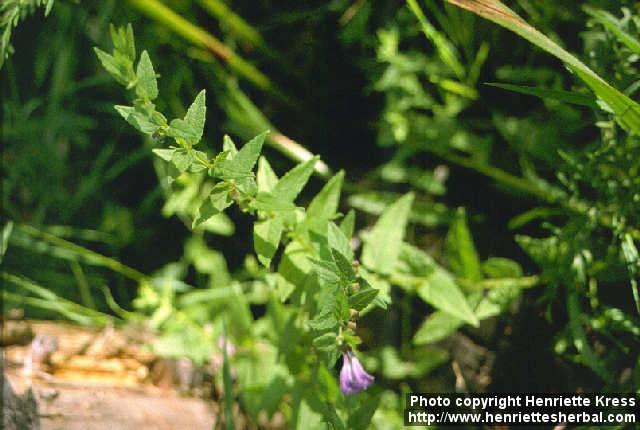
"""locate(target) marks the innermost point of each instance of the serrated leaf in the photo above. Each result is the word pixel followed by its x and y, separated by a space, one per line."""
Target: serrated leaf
pixel 110 64
pixel 295 265
pixel 331 416
pixel 266 238
pixel 345 269
pixel 440 290
pixel 382 244
pixel 325 204
pixel 182 159
pixel 362 298
pixel 165 153
pixel 215 203
pixel 326 271
pixel 123 41
pixel 130 43
pixel 338 241
pixel 196 115
pixel 265 177
pixel 325 342
pixel 269 203
pixel 137 119
pixel 228 146
pixel 460 249
pixel 181 129
pixel 147 85
pixel 242 163
pixel 290 185
pixel 325 321
pixel 414 261
pixel 437 326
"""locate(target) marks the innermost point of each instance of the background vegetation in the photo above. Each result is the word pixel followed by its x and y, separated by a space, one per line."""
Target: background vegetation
pixel 519 266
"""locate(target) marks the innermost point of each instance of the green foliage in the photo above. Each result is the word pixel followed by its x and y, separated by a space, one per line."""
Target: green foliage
pixel 382 245
pixel 11 13
pixel 324 255
pixel 263 257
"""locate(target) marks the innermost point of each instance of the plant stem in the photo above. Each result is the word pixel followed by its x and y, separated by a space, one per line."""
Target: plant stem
pixel 51 301
pixel 99 259
pixel 234 22
pixel 83 285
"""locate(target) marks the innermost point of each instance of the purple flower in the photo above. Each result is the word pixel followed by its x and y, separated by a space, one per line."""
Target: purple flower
pixel 353 377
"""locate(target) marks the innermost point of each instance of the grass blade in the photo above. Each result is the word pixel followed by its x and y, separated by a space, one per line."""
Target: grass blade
pixel 544 93
pixel 627 111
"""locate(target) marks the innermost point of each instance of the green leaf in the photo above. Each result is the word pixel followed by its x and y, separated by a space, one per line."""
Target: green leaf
pixel 326 271
pixel 325 204
pixel 242 163
pixel 338 241
pixel 361 417
pixel 440 291
pixel 123 41
pixel 627 111
pixel 290 185
pixel 307 418
pixel 269 203
pixel 265 177
pixel 394 367
pixel 414 261
pixel 266 238
pixel 325 342
pixel 437 326
pixel 165 153
pixel 48 7
pixel 382 244
pixel 180 129
pixel 217 201
pixel 362 298
pixel 147 83
pixel 345 269
pixel 228 146
pixel 446 51
pixel 110 64
pixel 324 321
pixel 460 250
pixel 182 159
pixel 348 223
pixel 137 119
pixel 571 97
pixel 497 267
pixel 196 115
pixel 609 22
pixel 496 301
